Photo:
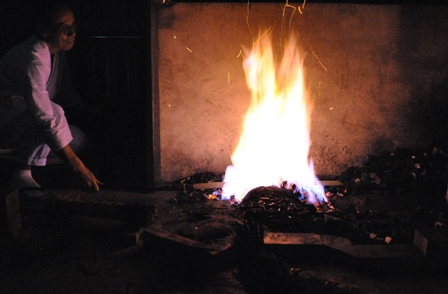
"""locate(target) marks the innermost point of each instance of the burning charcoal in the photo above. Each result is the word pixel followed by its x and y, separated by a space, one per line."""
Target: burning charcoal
pixel 284 185
pixel 332 191
pixel 215 195
pixel 210 196
pixel 340 194
pixel 233 200
pixel 328 207
pixel 293 188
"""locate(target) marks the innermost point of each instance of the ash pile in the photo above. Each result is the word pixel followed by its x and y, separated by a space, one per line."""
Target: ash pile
pixel 420 175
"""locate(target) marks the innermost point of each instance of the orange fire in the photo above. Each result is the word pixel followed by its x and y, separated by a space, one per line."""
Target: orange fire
pixel 275 140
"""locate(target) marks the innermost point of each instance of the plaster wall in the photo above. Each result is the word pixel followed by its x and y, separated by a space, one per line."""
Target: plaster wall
pixel 372 71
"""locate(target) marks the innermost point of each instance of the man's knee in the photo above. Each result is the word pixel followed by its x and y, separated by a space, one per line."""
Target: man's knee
pixel 80 141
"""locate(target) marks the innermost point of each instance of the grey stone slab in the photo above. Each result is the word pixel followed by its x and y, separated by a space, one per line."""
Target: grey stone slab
pixel 431 241
pixel 11 210
pixel 292 239
pixel 343 245
pixel 371 251
pixel 340 244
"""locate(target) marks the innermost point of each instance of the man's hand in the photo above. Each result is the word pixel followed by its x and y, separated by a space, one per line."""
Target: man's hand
pixel 88 177
pixel 68 156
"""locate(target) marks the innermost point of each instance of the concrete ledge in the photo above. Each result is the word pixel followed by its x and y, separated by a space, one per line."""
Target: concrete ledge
pixel 10 211
pixel 343 245
pixel 292 239
pixel 150 236
pixel 432 242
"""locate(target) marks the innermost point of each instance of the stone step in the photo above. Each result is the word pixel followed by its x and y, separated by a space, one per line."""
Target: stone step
pixel 432 243
pixel 343 245
pixel 11 219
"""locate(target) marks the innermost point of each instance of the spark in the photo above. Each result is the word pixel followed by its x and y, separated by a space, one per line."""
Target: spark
pixel 239 54
pixel 288 5
pixel 290 19
pixel 247 16
pixel 303 6
pixel 318 59
pixel 262 35
pixel 323 66
pixel 189 50
pixel 294 10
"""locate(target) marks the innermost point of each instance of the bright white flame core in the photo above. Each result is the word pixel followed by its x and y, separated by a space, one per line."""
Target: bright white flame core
pixel 275 140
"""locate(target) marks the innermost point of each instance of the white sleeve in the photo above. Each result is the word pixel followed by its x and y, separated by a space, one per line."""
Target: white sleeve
pixel 48 115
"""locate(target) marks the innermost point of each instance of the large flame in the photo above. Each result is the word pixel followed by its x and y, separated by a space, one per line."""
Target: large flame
pixel 275 141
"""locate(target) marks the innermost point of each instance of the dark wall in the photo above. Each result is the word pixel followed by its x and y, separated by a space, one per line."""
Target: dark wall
pixel 15 24
pixel 111 62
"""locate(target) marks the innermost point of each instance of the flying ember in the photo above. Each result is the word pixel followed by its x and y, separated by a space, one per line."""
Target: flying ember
pixel 274 145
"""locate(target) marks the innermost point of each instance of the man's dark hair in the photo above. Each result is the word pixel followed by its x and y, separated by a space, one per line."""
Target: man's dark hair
pixel 45 15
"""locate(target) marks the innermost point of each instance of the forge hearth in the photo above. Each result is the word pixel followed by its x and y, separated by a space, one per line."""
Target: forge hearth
pixel 195 225
pixel 195 221
pixel 280 210
pixel 380 210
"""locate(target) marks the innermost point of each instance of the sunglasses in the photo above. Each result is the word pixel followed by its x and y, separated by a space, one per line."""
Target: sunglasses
pixel 68 30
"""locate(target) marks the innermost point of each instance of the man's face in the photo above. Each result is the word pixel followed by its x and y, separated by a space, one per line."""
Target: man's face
pixel 64 39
